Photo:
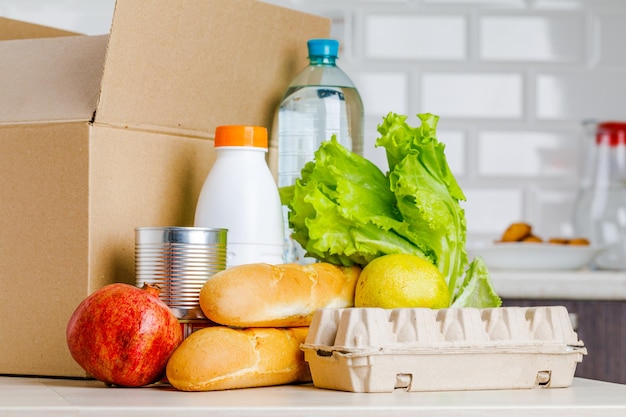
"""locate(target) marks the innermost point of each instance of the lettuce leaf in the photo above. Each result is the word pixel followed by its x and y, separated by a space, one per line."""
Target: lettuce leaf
pixel 342 211
pixel 427 193
pixel 345 210
pixel 477 290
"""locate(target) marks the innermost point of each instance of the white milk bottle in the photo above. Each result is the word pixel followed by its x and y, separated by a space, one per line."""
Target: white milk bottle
pixel 240 194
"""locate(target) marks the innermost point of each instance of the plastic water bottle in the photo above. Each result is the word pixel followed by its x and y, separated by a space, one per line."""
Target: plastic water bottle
pixel 240 194
pixel 320 102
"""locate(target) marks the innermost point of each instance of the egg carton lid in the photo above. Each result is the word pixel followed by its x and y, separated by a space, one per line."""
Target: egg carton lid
pixel 412 330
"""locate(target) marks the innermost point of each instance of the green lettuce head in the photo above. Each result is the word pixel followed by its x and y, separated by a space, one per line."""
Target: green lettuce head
pixel 345 210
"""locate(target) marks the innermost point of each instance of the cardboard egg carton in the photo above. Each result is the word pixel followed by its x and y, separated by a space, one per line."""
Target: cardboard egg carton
pixel 419 349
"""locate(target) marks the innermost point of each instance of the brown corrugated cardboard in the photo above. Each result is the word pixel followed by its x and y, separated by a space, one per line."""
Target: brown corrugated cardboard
pixel 15 29
pixel 101 134
pixel 47 80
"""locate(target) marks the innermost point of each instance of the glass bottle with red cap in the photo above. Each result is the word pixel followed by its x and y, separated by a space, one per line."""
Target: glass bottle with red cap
pixel 240 194
pixel 600 213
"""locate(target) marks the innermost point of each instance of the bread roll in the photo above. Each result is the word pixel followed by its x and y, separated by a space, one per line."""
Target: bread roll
pixel 516 232
pixel 219 358
pixel 285 295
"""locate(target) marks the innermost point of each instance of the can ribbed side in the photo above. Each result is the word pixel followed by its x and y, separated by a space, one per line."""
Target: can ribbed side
pixel 180 261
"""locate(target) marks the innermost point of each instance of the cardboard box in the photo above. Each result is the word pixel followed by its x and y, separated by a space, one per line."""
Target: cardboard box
pixel 455 349
pixel 14 29
pixel 100 134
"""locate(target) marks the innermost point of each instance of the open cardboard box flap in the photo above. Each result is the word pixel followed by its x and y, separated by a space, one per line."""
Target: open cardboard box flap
pixel 48 79
pixel 56 79
pixel 209 63
pixel 191 69
pixel 16 29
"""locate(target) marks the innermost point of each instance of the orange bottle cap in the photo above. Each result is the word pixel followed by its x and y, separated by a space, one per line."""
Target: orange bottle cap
pixel 241 136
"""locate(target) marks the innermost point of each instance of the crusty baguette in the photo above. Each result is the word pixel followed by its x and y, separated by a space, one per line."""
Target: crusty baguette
pixel 219 358
pixel 285 295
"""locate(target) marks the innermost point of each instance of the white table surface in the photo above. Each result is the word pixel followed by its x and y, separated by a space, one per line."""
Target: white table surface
pixel 23 397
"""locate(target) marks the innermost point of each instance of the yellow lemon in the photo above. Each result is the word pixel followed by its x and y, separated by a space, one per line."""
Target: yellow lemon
pixel 401 281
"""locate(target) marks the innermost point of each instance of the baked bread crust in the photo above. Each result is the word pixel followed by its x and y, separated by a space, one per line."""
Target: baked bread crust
pixel 284 295
pixel 219 358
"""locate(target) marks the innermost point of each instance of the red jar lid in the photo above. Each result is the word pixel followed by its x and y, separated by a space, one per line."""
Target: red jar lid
pixel 611 133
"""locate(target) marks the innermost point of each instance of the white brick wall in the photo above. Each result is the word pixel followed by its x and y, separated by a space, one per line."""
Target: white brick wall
pixel 511 79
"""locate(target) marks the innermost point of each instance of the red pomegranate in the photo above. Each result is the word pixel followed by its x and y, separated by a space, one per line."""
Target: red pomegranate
pixel 123 335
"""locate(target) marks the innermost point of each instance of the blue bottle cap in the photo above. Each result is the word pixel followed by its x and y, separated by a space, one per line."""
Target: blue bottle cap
pixel 323 47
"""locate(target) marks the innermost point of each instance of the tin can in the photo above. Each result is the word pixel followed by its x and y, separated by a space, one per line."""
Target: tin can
pixel 180 260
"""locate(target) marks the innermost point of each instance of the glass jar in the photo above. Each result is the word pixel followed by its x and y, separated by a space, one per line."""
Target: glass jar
pixel 600 212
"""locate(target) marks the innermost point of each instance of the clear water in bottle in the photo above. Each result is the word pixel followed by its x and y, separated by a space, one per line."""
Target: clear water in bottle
pixel 310 115
pixel 320 102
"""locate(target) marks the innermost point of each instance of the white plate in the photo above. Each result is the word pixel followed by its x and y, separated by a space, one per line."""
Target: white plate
pixel 535 256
